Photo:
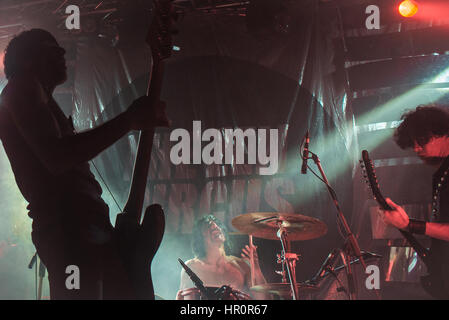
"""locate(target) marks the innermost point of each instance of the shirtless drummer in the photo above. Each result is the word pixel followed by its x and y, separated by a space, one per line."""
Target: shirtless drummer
pixel 214 267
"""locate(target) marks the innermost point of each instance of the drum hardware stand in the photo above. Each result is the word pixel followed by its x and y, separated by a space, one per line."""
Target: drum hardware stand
pixel 42 270
pixel 329 268
pixel 351 246
pixel 288 259
pixel 280 259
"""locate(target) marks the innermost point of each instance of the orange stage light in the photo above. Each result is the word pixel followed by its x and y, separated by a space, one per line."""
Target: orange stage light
pixel 408 8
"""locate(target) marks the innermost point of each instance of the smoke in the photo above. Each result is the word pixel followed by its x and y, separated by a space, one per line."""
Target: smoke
pixel 166 270
pixel 16 248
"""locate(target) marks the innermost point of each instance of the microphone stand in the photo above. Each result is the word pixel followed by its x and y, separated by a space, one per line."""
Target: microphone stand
pixel 351 246
pixel 41 278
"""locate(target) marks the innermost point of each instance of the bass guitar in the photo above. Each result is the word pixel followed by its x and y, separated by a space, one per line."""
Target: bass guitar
pixel 138 241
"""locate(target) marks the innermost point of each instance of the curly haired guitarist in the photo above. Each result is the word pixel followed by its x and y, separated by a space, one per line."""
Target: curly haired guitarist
pixel 426 130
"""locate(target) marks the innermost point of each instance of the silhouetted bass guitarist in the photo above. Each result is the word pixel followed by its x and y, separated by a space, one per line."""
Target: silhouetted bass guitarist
pixel 71 223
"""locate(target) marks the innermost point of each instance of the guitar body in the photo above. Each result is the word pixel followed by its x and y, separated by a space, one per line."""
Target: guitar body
pixel 137 245
pixel 433 282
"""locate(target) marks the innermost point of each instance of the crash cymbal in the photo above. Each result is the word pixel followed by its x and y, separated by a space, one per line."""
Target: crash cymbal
pixel 265 225
pixel 283 289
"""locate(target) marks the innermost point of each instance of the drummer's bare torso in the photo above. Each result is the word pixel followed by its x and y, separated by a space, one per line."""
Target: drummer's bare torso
pixel 230 270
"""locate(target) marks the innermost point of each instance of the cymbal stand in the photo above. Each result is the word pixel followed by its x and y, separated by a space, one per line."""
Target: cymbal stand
pixel 289 259
pixel 283 273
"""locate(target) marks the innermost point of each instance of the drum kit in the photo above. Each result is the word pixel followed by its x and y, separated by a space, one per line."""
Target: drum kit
pixel 285 227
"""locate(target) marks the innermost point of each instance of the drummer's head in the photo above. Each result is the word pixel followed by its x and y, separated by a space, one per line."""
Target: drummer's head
pixel 208 232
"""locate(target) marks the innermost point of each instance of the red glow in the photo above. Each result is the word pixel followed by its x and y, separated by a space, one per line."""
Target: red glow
pixel 432 11
pixel 1 64
pixel 428 10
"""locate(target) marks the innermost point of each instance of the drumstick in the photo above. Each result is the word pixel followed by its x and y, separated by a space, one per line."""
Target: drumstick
pixel 251 260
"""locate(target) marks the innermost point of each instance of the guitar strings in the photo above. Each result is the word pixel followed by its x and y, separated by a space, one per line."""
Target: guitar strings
pixel 106 185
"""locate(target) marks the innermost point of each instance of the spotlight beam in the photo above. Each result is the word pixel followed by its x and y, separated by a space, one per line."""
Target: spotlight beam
pixel 324 147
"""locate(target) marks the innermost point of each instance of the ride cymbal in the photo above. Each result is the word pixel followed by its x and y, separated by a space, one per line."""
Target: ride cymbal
pixel 265 225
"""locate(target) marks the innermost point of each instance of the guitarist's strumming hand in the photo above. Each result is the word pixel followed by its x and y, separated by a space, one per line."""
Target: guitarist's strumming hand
pixel 142 115
pixel 396 217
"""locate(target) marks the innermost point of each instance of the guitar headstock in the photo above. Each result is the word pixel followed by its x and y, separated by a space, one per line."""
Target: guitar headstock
pixel 159 35
pixel 371 178
pixel 368 170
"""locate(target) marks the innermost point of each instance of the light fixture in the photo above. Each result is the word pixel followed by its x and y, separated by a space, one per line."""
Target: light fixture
pixel 408 8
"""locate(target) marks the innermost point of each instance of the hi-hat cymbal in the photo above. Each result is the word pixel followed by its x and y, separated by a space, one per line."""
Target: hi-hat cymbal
pixel 265 225
pixel 283 289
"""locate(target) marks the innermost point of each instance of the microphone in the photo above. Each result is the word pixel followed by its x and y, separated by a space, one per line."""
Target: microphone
pixel 305 154
pixel 197 282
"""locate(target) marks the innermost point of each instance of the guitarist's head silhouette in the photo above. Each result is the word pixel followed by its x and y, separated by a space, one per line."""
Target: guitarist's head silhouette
pixel 36 53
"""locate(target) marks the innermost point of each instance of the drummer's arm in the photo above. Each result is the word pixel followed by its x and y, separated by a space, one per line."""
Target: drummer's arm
pixel 186 283
pixel 258 275
pixel 258 279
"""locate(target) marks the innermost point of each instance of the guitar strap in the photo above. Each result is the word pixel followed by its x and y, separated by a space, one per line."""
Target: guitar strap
pixel 438 279
pixel 440 179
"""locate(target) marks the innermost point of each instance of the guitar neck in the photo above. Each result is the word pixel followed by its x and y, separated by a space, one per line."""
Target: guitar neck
pixel 136 197
pixel 420 250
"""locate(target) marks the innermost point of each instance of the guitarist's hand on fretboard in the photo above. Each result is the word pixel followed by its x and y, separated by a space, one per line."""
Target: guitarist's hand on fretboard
pixel 396 217
pixel 143 115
